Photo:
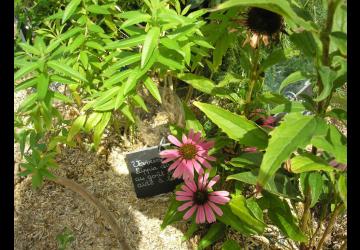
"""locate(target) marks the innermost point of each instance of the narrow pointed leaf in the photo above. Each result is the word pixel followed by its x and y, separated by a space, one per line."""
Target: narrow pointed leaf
pixel 70 9
pixel 237 127
pixel 150 44
pixel 68 71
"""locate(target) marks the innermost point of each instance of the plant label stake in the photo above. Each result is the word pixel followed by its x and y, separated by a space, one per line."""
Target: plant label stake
pixel 150 177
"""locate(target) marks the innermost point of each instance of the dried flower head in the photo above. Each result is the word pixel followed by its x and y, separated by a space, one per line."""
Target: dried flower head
pixel 263 25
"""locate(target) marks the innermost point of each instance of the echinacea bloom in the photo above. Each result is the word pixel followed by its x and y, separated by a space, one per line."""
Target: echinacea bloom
pixel 200 198
pixel 192 153
pixel 263 25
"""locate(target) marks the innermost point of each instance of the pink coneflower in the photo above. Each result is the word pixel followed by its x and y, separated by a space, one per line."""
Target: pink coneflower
pixel 200 197
pixel 191 153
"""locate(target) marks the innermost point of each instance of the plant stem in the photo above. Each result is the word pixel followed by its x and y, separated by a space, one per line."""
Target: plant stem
pixel 325 39
pixel 95 202
pixel 253 79
pixel 189 94
pixel 329 227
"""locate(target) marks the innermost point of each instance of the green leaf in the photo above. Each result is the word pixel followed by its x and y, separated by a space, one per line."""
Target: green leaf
pixel 273 98
pixel 53 45
pixel 292 78
pixel 37 179
pixel 327 77
pixel 314 181
pixel 278 184
pixel 92 121
pixel 172 214
pixel 280 214
pixel 197 82
pixel 290 107
pixel 197 13
pixel 338 114
pixel 342 188
pixel 153 89
pixel 340 41
pixel 221 47
pixel 77 125
pixel 106 96
pixel 172 44
pixel 135 20
pixel 215 233
pixel 56 78
pixel 295 131
pixel 275 57
pixel 42 85
pixel 150 44
pixel 71 32
pixel 29 101
pixel 203 43
pixel 132 81
pixel 127 60
pixel 191 122
pixel 95 45
pixel 333 142
pixel 305 41
pixel 247 159
pixel 239 208
pixel 100 127
pixel 235 126
pixel 191 230
pixel 308 162
pixel 62 97
pixel 140 102
pixel 170 63
pixel 79 40
pixel 255 209
pixel 68 71
pixel 205 85
pixel 230 245
pixel 281 7
pixel 230 219
pixel 26 84
pixel 117 78
pixel 29 49
pixel 126 43
pixel 25 70
pixel 84 58
pixel 97 9
pixel 70 9
pixel 125 109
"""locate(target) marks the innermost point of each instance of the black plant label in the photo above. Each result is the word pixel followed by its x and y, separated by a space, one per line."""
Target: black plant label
pixel 150 177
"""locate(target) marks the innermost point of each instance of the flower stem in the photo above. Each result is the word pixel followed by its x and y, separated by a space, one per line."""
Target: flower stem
pixel 329 227
pixel 253 79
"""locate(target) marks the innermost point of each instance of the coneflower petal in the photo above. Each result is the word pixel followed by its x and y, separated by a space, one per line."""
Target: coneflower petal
pixel 219 199
pixel 190 212
pixel 213 181
pixel 210 216
pixel 200 215
pixel 220 193
pixel 185 205
pixel 216 209
pixel 169 153
pixel 174 140
pixel 175 164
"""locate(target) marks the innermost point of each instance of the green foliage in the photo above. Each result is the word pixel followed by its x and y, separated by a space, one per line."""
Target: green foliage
pixel 104 55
